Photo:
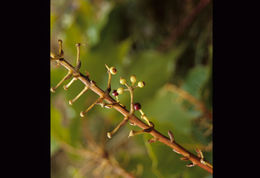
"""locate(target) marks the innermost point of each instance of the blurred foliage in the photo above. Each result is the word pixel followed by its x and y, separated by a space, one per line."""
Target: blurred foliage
pixel 127 34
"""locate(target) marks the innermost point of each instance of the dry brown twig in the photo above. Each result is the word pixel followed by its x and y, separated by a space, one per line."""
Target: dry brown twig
pixel 105 100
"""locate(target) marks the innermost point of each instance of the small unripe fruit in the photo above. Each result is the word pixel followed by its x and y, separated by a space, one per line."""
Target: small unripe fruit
pixel 115 93
pixel 133 78
pixel 113 70
pixel 137 106
pixel 141 84
pixel 122 81
pixel 120 91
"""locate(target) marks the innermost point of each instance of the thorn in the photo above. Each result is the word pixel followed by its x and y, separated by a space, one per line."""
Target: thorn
pixel 184 159
pixel 190 165
pixel 199 153
pixel 108 106
pixel 105 105
pixel 131 133
pixel 132 123
pixel 171 136
pixel 145 118
pixel 176 151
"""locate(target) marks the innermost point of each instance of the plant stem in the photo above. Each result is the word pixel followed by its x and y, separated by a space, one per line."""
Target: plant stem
pixel 160 137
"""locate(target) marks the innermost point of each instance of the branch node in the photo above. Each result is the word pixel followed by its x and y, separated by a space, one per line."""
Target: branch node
pixel 147 130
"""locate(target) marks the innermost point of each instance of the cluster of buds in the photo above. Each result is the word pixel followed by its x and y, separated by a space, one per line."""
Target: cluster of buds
pixel 133 106
pixel 100 101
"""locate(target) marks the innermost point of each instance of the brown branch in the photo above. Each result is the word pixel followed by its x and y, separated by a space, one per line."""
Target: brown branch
pixel 133 119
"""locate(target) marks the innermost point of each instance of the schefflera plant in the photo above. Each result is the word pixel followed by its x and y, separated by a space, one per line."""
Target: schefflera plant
pixel 105 100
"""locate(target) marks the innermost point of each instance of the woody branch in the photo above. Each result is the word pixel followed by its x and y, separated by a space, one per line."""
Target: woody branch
pixel 147 128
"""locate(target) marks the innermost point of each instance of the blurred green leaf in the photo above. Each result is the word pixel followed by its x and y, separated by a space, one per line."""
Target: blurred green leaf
pixel 195 80
pixel 54 146
pixel 58 131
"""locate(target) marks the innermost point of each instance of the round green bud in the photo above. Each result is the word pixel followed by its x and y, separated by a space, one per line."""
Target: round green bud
pixel 113 70
pixel 120 91
pixel 141 84
pixel 122 81
pixel 133 78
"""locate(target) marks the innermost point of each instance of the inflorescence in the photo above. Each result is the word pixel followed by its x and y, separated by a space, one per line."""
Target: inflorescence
pixel 74 74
